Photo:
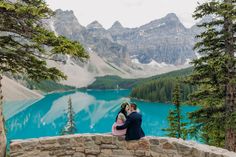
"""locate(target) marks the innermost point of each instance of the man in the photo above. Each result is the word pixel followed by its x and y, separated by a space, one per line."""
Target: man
pixel 133 124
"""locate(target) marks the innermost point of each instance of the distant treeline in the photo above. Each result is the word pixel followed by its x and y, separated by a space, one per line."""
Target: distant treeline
pixel 161 90
pixel 114 82
pixel 48 86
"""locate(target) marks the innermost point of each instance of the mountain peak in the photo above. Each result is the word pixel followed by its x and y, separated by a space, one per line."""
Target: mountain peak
pixel 94 25
pixel 117 24
pixel 171 17
pixel 66 16
pixel 60 11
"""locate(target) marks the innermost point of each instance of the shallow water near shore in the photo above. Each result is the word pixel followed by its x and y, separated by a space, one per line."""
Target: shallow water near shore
pixel 95 112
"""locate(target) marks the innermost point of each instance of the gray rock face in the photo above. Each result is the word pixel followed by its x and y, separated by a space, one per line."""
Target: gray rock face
pixel 65 23
pixel 102 42
pixel 95 25
pixel 163 40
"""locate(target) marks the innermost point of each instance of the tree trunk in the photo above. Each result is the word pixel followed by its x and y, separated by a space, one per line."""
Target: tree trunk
pixel 179 122
pixel 2 128
pixel 230 99
pixel 230 139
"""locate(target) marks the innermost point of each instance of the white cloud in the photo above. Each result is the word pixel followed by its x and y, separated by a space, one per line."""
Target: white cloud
pixel 131 13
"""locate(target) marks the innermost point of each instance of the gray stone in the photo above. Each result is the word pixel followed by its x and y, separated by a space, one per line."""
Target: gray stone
pixel 89 144
pixel 140 153
pixel 79 139
pixel 106 152
pixel 79 149
pixel 48 141
pixel 122 152
pixel 107 140
pixel 183 149
pixel 140 144
pixel 121 144
pixel 16 154
pixel 109 146
pixel 156 149
pixel 16 147
pixel 97 139
pixel 154 141
pixel 78 154
pixel 93 151
pixel 64 141
pixel 168 145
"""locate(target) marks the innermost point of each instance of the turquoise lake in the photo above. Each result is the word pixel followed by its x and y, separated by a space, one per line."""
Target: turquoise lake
pixel 95 113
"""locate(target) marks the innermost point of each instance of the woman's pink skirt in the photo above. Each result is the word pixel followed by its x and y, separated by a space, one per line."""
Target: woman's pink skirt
pixel 118 132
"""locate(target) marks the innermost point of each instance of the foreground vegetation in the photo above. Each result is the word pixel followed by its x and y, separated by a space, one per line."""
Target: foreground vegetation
pixel 25 45
pixel 177 128
pixel 214 74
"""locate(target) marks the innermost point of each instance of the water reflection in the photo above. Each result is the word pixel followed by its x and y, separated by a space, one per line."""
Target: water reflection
pixel 96 109
pixel 11 108
pixel 95 113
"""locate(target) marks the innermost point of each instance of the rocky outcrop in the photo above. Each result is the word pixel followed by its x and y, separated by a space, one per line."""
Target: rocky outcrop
pixel 98 145
pixel 65 23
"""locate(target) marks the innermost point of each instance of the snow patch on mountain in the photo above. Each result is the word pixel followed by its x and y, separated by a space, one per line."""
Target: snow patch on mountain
pixel 153 63
pixel 136 61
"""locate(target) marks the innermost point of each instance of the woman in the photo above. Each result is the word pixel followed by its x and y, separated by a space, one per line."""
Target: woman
pixel 120 120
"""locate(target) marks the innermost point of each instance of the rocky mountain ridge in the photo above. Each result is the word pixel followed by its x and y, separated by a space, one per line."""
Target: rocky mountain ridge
pixel 162 40
pixel 160 46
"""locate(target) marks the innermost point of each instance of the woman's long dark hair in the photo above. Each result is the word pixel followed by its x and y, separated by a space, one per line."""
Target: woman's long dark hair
pixel 122 110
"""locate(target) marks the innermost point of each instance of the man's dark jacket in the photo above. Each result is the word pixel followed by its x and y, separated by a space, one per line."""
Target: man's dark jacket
pixel 133 125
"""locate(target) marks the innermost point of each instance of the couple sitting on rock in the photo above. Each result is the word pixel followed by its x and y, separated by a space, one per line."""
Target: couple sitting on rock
pixel 128 123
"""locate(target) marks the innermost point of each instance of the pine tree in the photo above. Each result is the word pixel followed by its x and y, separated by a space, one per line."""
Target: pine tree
pixel 208 122
pixel 215 73
pixel 70 127
pixel 176 125
pixel 25 44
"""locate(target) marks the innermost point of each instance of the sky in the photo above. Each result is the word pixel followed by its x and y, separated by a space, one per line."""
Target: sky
pixel 130 13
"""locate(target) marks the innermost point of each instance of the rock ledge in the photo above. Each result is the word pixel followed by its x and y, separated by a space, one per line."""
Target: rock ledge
pixel 103 145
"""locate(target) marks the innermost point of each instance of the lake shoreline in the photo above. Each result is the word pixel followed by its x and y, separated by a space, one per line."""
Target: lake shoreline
pixel 148 101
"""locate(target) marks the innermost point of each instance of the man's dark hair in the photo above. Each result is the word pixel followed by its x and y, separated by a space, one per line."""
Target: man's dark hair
pixel 134 106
